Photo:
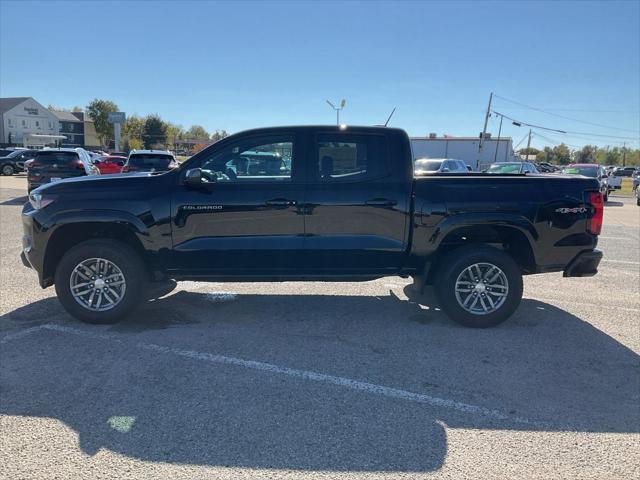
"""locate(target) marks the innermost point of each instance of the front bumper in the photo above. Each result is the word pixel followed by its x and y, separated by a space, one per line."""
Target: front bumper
pixel 585 264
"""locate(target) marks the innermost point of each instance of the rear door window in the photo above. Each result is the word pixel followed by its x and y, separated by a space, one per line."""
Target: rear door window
pixel 150 160
pixel 58 158
pixel 349 158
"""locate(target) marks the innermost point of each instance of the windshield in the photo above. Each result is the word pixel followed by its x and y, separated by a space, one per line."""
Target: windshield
pixel 15 153
pixel 504 168
pixel 586 171
pixel 428 165
pixel 152 160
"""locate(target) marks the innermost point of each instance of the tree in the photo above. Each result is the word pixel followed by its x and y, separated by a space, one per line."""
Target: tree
pixel 132 127
pixel 197 147
pixel 154 132
pixel 586 155
pixel 219 135
pixel 174 133
pixel 98 111
pixel 529 151
pixel 197 132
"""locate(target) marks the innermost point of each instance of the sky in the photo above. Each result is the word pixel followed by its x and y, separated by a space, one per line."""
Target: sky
pixel 241 65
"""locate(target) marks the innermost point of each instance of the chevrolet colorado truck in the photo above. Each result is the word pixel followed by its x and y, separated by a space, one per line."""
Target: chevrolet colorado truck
pixel 338 204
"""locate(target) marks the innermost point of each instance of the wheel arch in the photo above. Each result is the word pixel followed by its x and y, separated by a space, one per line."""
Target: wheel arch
pixel 68 235
pixel 511 239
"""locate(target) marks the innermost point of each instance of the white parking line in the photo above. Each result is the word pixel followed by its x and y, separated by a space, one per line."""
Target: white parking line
pixel 601 237
pixel 623 262
pixel 596 305
pixel 291 372
pixel 20 334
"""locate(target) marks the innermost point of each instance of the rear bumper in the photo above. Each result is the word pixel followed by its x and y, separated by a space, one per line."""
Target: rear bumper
pixel 25 260
pixel 585 264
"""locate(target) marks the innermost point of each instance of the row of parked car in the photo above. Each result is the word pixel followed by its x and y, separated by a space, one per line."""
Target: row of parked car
pixel 53 164
pixel 610 178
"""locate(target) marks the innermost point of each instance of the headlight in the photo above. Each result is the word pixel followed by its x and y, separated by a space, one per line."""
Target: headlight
pixel 39 201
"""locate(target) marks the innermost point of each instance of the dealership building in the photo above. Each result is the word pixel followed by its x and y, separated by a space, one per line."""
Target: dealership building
pixel 25 122
pixel 22 118
pixel 464 148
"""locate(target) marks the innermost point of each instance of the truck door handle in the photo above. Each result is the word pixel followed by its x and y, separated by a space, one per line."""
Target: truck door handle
pixel 381 202
pixel 280 202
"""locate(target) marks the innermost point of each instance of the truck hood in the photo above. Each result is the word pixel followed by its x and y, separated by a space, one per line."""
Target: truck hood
pixel 115 180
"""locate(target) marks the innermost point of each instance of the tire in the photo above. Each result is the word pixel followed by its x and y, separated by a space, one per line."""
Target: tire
pixel 124 268
pixel 456 269
pixel 8 170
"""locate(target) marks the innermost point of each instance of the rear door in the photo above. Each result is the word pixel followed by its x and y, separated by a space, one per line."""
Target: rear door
pixel 357 201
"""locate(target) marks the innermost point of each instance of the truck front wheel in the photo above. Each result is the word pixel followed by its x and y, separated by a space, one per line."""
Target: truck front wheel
pixel 479 286
pixel 100 281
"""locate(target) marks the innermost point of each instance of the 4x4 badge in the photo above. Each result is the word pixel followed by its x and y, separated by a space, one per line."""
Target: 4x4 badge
pixel 572 210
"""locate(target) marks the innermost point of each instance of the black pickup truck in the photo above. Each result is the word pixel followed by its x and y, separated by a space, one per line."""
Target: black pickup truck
pixel 338 204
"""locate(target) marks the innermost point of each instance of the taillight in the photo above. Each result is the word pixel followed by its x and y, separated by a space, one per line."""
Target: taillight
pixel 78 164
pixel 594 224
pixel 125 169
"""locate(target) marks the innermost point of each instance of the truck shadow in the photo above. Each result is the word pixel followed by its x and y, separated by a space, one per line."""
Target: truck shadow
pixel 545 365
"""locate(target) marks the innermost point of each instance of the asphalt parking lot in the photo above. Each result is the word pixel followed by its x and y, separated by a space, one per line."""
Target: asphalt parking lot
pixel 323 380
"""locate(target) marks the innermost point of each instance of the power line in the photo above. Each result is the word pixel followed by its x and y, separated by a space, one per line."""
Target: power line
pixel 520 123
pixel 587 134
pixel 565 117
pixel 518 144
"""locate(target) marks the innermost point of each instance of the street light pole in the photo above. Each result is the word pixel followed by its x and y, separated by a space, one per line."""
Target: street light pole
pixel 337 109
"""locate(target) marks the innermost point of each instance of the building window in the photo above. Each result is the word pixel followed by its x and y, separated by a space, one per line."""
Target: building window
pixel 38 124
pixel 24 124
pixel 10 122
pixel 50 125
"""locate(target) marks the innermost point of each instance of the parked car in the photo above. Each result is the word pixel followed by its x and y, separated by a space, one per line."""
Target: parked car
pixel 257 164
pixel 636 191
pixel 350 209
pixel 110 164
pixel 512 167
pixel 53 164
pixel 592 170
pixel 430 166
pixel 624 171
pixel 544 167
pixel 14 161
pixel 149 161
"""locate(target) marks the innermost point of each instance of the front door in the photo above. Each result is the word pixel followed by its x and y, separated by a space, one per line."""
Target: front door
pixel 245 219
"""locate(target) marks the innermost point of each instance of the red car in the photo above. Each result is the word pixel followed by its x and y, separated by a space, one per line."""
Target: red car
pixel 110 164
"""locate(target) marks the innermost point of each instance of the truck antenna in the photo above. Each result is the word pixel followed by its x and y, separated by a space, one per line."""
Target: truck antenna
pixel 390 115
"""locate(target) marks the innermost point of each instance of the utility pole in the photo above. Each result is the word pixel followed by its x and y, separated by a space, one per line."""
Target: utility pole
pixel 484 131
pixel 624 154
pixel 495 155
pixel 528 145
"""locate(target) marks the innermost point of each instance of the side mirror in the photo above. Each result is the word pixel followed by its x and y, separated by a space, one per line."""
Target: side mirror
pixel 445 170
pixel 193 177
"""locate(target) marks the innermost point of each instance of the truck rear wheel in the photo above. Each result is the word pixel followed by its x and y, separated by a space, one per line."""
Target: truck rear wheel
pixel 101 281
pixel 479 286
